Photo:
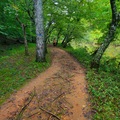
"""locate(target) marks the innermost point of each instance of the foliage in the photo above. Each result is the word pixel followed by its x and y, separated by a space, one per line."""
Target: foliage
pixel 104 88
pixel 17 69
pixel 66 17
pixel 9 26
pixel 83 22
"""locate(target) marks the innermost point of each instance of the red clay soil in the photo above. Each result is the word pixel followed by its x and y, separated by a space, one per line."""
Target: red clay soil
pixel 59 93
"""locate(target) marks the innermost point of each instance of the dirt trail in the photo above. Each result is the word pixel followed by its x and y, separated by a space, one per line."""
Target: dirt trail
pixel 59 93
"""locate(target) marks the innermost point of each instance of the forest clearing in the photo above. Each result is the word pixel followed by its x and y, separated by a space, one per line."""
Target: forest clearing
pixel 59 60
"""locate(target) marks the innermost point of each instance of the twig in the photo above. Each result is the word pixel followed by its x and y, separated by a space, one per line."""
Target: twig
pixel 33 114
pixel 46 110
pixel 58 96
pixel 63 78
pixel 24 107
pixel 49 112
pixel 68 103
pixel 50 117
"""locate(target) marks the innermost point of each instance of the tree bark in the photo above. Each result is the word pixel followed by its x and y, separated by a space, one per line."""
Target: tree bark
pixel 25 40
pixel 40 40
pixel 24 35
pixel 110 36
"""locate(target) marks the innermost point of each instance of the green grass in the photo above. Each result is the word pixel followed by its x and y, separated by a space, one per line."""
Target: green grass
pixel 16 69
pixel 103 86
pixel 105 94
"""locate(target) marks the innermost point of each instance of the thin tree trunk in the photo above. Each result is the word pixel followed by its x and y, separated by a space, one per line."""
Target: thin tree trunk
pixel 24 35
pixel 110 36
pixel 58 35
pixel 68 38
pixel 25 40
pixel 64 39
pixel 65 42
pixel 40 40
pixel 47 34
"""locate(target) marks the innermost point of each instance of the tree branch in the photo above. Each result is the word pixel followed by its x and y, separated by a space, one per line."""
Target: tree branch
pixel 49 112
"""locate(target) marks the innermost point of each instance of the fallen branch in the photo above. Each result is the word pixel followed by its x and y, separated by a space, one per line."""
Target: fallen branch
pixel 71 106
pixel 64 78
pixel 24 107
pixel 49 112
pixel 33 114
pixel 45 109
pixel 50 117
pixel 58 96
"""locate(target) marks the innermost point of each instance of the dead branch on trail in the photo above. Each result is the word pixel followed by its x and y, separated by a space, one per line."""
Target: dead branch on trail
pixel 23 109
pixel 41 108
pixel 58 96
pixel 33 114
pixel 49 112
pixel 25 106
pixel 50 117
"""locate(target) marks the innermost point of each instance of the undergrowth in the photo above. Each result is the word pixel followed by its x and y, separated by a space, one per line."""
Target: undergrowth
pixel 103 86
pixel 16 69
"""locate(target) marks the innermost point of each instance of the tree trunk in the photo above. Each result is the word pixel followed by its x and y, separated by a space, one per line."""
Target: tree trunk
pixel 25 40
pixel 58 35
pixel 68 38
pixel 47 34
pixel 40 40
pixel 24 35
pixel 110 36
pixel 64 40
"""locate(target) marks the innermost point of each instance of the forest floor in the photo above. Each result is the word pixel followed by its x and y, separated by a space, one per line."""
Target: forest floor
pixel 59 93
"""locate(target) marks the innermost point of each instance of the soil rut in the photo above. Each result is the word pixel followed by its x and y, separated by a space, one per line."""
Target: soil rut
pixel 59 93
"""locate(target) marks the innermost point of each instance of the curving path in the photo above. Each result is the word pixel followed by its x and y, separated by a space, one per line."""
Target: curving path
pixel 58 93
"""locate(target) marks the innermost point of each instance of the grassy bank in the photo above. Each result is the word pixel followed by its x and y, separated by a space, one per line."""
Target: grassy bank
pixel 16 69
pixel 103 86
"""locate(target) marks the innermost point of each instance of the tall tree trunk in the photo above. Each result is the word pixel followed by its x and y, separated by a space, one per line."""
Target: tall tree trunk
pixel 110 36
pixel 40 40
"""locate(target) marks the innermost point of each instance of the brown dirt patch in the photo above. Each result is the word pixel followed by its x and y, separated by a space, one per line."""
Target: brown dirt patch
pixel 59 93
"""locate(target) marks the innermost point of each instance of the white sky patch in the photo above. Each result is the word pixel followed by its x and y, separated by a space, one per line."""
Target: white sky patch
pixel 56 3
pixel 89 0
pixel 48 14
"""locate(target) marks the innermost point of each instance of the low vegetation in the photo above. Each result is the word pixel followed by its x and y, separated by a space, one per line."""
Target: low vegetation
pixel 65 21
pixel 16 69
pixel 103 85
